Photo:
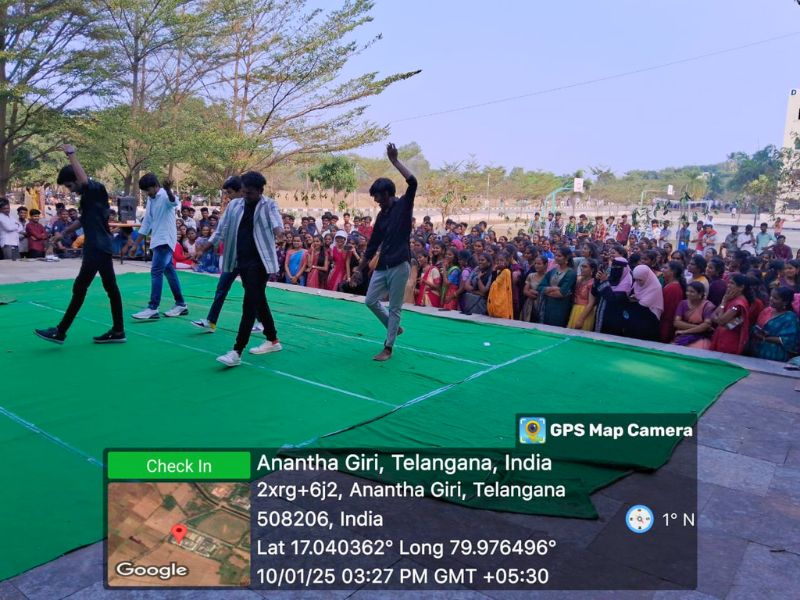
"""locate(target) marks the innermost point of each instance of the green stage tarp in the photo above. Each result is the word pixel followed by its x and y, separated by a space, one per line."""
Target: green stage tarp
pixel 61 406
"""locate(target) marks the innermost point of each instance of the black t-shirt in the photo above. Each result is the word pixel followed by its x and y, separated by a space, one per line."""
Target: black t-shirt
pixel 94 217
pixel 246 251
pixel 393 229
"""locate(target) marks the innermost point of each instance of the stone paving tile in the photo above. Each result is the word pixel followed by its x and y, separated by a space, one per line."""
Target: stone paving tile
pixel 718 558
pixel 770 520
pixel 739 592
pixel 793 456
pixel 98 592
pixel 765 570
pixel 9 592
pixel 571 595
pixel 734 471
pixel 689 595
pixel 305 594
pixel 786 485
pixel 63 576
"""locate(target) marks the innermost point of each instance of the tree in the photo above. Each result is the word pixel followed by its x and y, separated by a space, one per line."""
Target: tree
pixel 49 59
pixel 762 193
pixel 767 162
pixel 337 173
pixel 284 79
pixel 149 39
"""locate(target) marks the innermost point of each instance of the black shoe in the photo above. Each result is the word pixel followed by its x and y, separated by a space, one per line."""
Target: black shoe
pixel 111 337
pixel 51 335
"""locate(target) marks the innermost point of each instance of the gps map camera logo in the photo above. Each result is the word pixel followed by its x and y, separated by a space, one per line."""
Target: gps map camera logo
pixel 532 430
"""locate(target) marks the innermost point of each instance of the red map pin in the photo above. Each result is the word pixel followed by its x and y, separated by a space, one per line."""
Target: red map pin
pixel 178 531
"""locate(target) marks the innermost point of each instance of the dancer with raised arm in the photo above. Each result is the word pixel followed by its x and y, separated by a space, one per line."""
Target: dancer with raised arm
pixel 96 252
pixel 389 246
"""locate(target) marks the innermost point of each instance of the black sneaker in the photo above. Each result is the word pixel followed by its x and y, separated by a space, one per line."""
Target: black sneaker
pixel 51 335
pixel 111 337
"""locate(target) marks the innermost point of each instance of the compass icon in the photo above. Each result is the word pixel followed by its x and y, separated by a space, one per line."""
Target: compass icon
pixel 639 518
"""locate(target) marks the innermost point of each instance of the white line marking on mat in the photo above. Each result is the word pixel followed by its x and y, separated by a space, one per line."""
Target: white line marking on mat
pixel 49 436
pixel 244 362
pixel 444 388
pixel 440 390
pixel 371 341
pixel 410 348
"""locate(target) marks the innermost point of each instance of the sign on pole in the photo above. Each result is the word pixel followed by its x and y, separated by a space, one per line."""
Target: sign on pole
pixel 669 190
pixel 577 185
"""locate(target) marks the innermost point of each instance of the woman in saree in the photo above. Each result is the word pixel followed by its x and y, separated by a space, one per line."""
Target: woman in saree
pixel 583 309
pixel 410 293
pixel 532 307
pixel 295 264
pixel 450 281
pixel 340 259
pixel 674 291
pixel 611 290
pixel 732 317
pixel 467 264
pixel 692 320
pixel 317 265
pixel 557 287
pixel 477 288
pixel 430 282
pixel 775 335
pixel 500 301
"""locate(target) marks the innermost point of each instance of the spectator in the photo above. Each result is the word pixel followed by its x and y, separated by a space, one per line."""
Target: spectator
pixel 764 239
pixel 22 222
pixel 583 308
pixel 780 250
pixel 731 318
pixel 500 302
pixel 673 292
pixel 776 333
pixel 557 289
pixel 693 319
pixel 9 232
pixel 37 236
pixel 430 282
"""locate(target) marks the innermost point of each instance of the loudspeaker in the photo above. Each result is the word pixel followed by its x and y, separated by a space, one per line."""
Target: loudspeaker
pixel 126 208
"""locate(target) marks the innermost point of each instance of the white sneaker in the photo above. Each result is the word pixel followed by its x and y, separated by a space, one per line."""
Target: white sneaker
pixel 257 328
pixel 177 311
pixel 267 347
pixel 205 324
pixel 230 359
pixel 148 314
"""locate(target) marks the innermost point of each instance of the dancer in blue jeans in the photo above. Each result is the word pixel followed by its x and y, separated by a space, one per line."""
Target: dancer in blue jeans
pixel 159 224
pixel 231 189
pixel 389 242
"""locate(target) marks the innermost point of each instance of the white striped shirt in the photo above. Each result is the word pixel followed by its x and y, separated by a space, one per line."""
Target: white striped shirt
pixel 266 219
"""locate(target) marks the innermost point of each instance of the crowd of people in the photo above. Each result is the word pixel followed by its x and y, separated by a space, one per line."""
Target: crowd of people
pixel 691 286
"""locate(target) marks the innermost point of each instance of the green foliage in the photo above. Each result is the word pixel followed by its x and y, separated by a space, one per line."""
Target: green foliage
pixel 337 173
pixel 169 502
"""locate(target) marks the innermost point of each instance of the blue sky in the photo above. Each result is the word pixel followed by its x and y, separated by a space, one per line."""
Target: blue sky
pixel 476 51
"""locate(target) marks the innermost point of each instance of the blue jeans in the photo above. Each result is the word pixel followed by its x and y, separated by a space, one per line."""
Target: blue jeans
pixel 162 265
pixel 223 287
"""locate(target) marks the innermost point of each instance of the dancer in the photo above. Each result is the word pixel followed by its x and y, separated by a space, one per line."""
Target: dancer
pixel 231 190
pixel 159 224
pixel 389 242
pixel 249 229
pixel 96 252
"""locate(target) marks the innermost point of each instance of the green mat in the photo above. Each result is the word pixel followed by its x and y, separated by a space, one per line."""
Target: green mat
pixel 61 406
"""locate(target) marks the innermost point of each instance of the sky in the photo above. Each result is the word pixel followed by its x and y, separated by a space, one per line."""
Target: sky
pixel 473 51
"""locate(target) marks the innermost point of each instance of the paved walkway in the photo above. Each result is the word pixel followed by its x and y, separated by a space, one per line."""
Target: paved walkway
pixel 748 506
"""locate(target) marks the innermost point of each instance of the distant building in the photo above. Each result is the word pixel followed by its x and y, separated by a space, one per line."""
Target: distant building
pixel 792 128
